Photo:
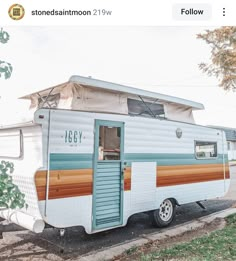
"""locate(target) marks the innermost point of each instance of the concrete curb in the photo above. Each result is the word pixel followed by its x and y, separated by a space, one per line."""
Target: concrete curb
pixel 113 251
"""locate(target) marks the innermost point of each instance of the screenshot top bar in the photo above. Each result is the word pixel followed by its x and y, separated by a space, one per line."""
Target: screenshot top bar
pixel 114 12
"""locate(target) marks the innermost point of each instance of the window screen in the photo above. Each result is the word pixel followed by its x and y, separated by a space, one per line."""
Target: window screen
pixel 136 107
pixel 204 149
pixel 50 101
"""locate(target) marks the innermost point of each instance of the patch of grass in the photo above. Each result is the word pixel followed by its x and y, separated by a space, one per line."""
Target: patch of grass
pixel 131 250
pixel 231 219
pixel 219 245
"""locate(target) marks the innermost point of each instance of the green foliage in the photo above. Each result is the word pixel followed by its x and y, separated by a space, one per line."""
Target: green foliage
pixel 10 195
pixel 4 36
pixel 5 68
pixel 231 220
pixel 131 250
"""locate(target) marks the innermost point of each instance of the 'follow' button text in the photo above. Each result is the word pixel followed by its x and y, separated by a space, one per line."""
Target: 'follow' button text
pixel 191 12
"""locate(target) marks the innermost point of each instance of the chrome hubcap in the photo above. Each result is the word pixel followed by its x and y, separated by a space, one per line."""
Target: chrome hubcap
pixel 166 210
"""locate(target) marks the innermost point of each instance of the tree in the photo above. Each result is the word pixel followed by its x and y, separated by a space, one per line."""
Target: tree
pixel 223 55
pixel 10 195
pixel 5 67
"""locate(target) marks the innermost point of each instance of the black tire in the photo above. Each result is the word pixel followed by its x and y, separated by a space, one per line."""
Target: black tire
pixel 163 216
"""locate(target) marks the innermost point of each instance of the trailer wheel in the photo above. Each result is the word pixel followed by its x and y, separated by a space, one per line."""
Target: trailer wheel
pixel 163 216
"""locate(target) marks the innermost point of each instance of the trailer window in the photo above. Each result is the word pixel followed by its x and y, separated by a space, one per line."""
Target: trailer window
pixel 11 143
pixel 143 108
pixel 109 143
pixel 204 149
pixel 50 101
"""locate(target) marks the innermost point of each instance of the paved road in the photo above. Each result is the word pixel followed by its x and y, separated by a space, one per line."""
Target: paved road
pixel 24 244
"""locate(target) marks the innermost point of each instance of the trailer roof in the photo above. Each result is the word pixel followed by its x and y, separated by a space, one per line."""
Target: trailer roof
pixel 230 133
pixel 100 84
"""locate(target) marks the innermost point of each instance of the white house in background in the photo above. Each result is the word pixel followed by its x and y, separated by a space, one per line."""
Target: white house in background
pixel 231 140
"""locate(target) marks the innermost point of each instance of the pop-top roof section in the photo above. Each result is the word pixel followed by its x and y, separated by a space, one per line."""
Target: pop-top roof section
pixel 105 85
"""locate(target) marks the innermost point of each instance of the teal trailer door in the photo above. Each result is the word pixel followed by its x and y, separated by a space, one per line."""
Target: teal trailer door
pixel 108 179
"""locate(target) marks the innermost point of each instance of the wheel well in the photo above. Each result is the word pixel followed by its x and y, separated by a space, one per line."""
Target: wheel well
pixel 175 201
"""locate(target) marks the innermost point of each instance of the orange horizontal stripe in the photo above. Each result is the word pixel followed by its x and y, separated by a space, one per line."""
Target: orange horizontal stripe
pixel 198 166
pixel 175 175
pixel 69 183
pixel 173 172
pixel 127 178
pixel 127 184
pixel 64 183
pixel 71 190
pixel 58 177
pixel 163 183
pixel 72 183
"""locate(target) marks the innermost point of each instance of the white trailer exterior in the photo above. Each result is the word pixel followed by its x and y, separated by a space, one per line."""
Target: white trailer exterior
pixel 68 183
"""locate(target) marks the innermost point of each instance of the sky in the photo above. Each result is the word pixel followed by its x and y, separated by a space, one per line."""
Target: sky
pixel 160 59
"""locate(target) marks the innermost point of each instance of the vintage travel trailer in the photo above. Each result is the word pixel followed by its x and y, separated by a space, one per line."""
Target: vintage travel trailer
pixel 97 152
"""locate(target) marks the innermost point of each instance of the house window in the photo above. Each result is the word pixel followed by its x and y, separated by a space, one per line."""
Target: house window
pixel 228 145
pixel 205 149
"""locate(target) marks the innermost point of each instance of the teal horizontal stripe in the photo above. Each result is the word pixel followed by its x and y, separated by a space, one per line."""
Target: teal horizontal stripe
pixel 170 159
pixel 61 161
